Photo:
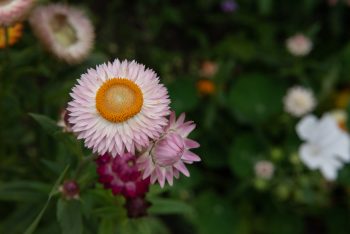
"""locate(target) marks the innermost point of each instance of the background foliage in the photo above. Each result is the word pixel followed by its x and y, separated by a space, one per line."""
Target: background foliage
pixel 240 123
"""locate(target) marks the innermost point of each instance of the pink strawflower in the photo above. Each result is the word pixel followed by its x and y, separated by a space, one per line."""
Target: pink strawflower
pixel 65 31
pixel 118 107
pixel 121 175
pixel 13 11
pixel 166 157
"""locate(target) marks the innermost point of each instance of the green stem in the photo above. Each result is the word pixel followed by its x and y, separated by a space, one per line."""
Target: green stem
pixel 83 163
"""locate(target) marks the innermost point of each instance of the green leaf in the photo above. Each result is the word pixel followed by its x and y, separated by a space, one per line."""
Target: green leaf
pixel 146 225
pixel 69 216
pixel 285 223
pixel 49 125
pixel 23 191
pixel 51 128
pixel 107 225
pixel 242 154
pixel 255 98
pixel 35 223
pixel 214 214
pixel 168 206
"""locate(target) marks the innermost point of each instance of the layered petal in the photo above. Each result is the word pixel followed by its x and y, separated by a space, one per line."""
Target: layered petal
pixel 13 11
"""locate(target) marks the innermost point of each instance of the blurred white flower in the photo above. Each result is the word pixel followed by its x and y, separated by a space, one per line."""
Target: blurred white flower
pixel 64 30
pixel 299 101
pixel 299 45
pixel 327 147
pixel 264 169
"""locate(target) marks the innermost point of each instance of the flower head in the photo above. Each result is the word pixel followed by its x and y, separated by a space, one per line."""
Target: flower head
pixel 14 34
pixel 299 45
pixel 166 158
pixel 327 147
pixel 121 175
pixel 64 30
pixel 299 101
pixel 264 169
pixel 118 107
pixel 229 6
pixel 13 11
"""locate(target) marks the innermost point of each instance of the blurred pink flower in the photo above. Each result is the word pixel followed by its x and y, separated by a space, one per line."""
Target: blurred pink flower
pixel 118 107
pixel 299 45
pixel 264 169
pixel 64 30
pixel 164 159
pixel 121 175
pixel 13 11
pixel 208 69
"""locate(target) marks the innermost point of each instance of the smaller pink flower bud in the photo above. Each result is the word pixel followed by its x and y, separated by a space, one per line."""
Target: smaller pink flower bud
pixel 136 207
pixel 63 121
pixel 169 150
pixel 70 189
pixel 166 157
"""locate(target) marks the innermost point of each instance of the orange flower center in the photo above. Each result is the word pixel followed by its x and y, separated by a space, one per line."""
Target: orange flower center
pixel 119 99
